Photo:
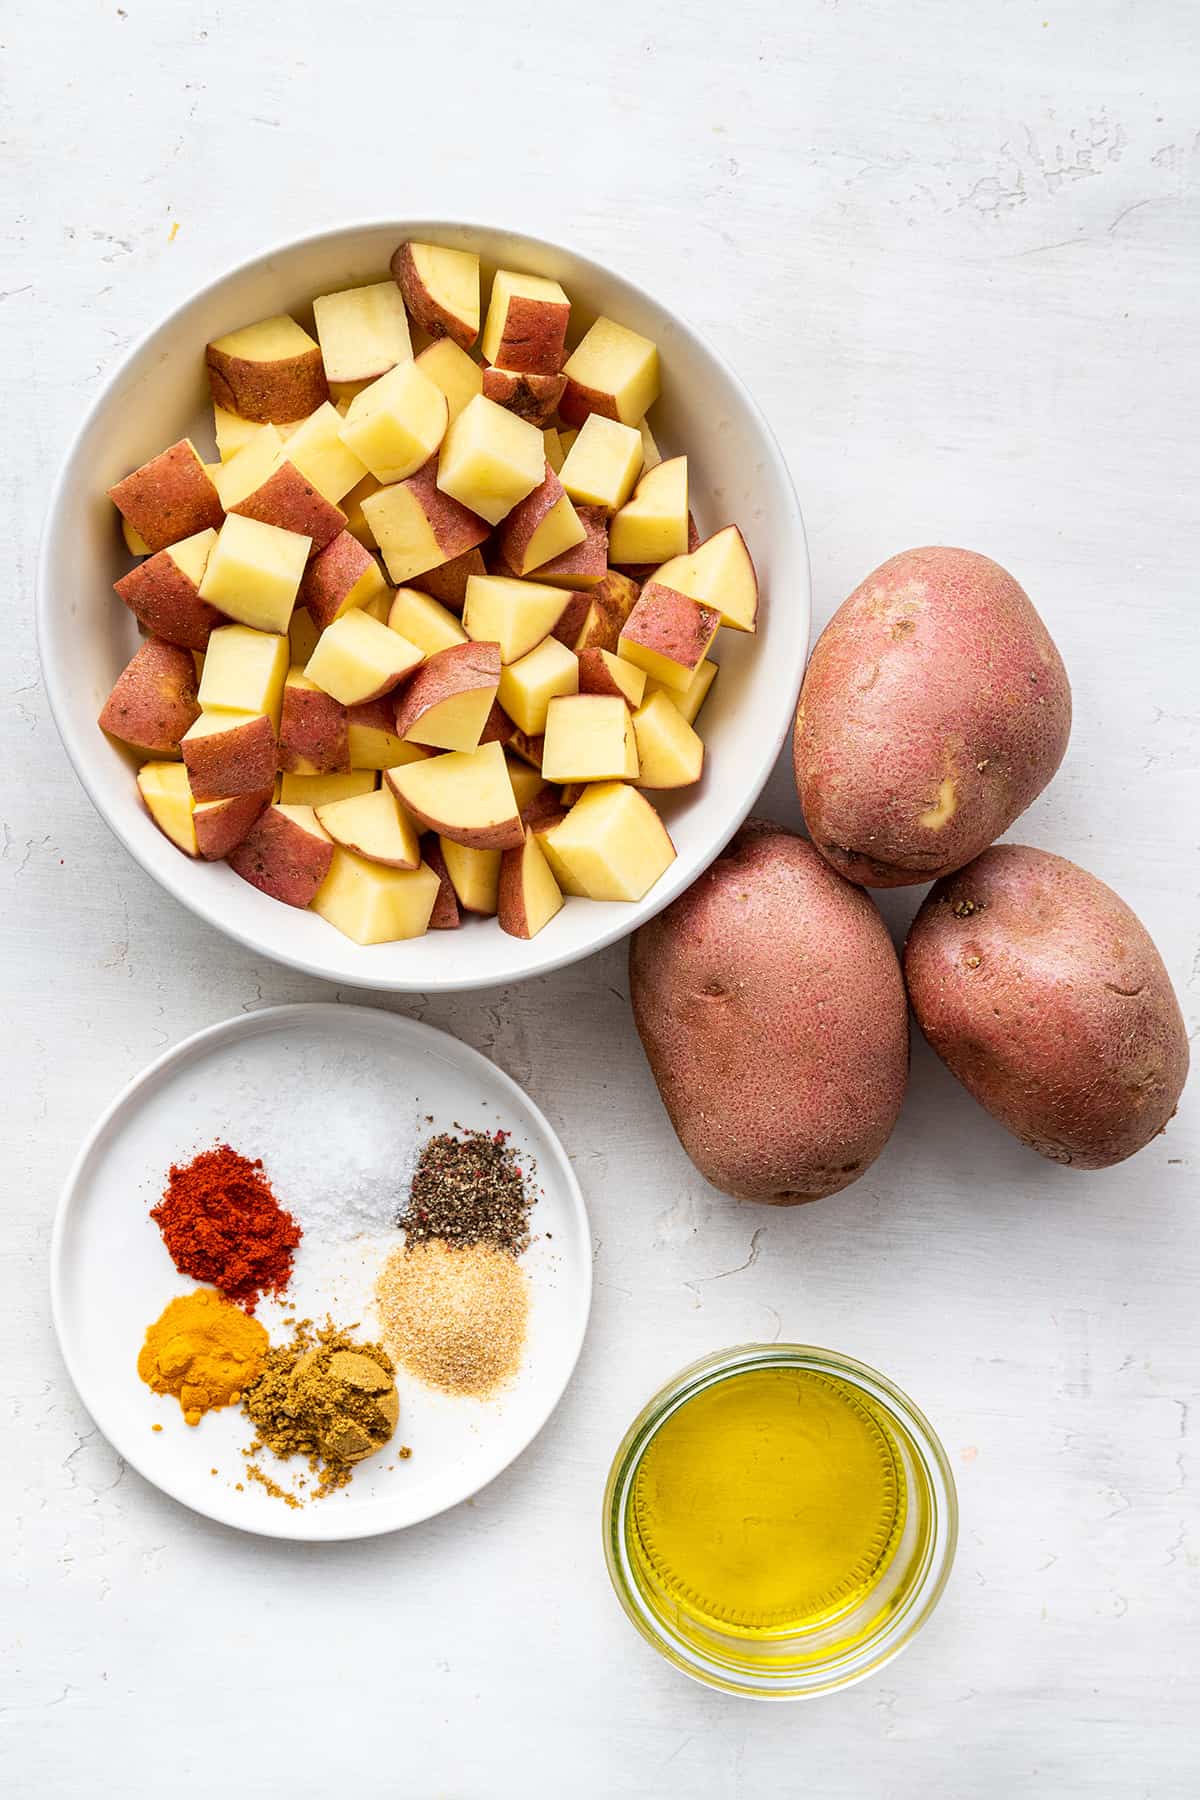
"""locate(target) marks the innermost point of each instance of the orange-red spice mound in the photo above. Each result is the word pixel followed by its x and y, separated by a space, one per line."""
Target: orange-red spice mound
pixel 222 1224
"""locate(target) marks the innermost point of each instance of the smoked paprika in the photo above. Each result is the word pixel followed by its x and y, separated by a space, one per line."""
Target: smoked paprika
pixel 222 1224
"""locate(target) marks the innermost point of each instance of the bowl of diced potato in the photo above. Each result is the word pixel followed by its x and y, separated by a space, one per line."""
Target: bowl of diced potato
pixel 423 604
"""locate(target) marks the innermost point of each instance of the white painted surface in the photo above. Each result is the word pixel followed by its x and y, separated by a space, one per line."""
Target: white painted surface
pixel 954 251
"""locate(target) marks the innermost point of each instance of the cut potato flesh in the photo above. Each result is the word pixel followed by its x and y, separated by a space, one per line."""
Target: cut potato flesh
pixel 315 447
pixel 514 614
pixel 447 702
pixel 670 753
pixel 654 525
pixel 613 371
pixel 417 527
pixel 612 843
pixel 441 289
pixel 244 671
pixel 363 332
pixel 424 621
pixel 490 460
pixel 373 904
pixel 168 796
pixel 719 573
pixel 603 464
pixel 323 790
pixel 690 699
pixel 357 658
pixel 254 572
pixel 529 896
pixel 464 795
pixel 458 375
pixel 376 826
pixel 395 425
pixel 474 875
pixel 589 737
pixel 526 326
pixel 528 685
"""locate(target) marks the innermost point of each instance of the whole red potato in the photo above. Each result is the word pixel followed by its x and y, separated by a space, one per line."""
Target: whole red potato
pixel 771 1009
pixel 1043 993
pixel 934 709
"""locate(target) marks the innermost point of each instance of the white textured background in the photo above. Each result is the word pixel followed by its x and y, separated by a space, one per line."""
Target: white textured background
pixel 955 249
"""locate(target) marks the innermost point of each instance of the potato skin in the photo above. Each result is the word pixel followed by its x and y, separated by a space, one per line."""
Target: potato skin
pixel 1044 995
pixel 770 1006
pixel 934 710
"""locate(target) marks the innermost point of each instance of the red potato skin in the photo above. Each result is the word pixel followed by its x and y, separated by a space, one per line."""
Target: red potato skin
pixel 169 498
pixel 584 565
pixel 222 830
pixel 287 500
pixel 936 670
pixel 771 1009
pixel 314 733
pixel 518 529
pixel 270 393
pixel 281 859
pixel 238 761
pixel 578 401
pixel 167 604
pixel 446 915
pixel 594 676
pixel 1045 996
pixel 330 575
pixel 153 701
pixel 534 339
pixel 671 624
pixel 447 672
pixel 532 397
pixel 448 582
pixel 434 319
pixel 571 619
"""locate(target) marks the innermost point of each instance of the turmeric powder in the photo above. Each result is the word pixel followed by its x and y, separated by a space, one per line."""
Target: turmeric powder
pixel 204 1350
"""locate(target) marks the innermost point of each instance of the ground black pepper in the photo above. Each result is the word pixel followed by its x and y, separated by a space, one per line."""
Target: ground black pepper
pixel 469 1189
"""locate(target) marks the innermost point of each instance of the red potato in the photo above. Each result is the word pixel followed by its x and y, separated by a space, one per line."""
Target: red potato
pixel 220 825
pixel 1043 994
pixel 153 701
pixel 342 575
pixel 163 594
pixel 290 501
pixel 314 729
pixel 446 703
pixel 668 634
pixel 448 582
pixel 612 601
pixel 229 753
pixel 643 572
pixel 271 371
pixel 285 854
pixel 531 396
pixel 418 527
pixel 768 1106
pixel 526 325
pixel 934 711
pixel 466 796
pixel 541 528
pixel 528 897
pixel 440 289
pixel 571 619
pixel 601 672
pixel 445 915
pixel 585 565
pixel 169 498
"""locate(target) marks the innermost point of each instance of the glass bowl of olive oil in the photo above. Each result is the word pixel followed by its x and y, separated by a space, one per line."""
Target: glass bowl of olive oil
pixel 779 1521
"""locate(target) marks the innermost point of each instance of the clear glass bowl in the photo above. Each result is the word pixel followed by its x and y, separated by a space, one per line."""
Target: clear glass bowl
pixel 835 1651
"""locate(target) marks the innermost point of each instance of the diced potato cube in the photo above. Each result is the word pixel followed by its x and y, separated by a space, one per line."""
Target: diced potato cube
pixel 244 671
pixel 465 795
pixel 229 753
pixel 514 614
pixel 589 737
pixel 423 620
pixel 441 289
pixel 419 528
pixel 541 527
pixel 612 843
pixel 603 464
pixel 528 685
pixel 376 826
pixel 526 325
pixel 690 699
pixel 651 455
pixel 395 425
pixel 529 895
pixel 554 450
pixel 231 432
pixel 474 875
pixel 603 672
pixel 254 572
pixel 373 904
pixel 668 635
pixel 718 573
pixel 357 658
pixel 167 794
pixel 613 371
pixel 323 790
pixel 490 460
pixel 248 468
pixel 363 331
pixel 458 375
pixel 271 370
pixel 654 524
pixel 670 752
pixel 316 448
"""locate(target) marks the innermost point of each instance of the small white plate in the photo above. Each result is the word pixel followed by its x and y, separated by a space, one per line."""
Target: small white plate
pixel 335 1099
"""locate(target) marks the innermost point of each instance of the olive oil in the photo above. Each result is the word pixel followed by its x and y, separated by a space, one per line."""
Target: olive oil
pixel 767 1505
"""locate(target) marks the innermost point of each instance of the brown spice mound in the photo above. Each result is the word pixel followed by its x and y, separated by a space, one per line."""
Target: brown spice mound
pixel 454 1317
pixel 469 1190
pixel 325 1396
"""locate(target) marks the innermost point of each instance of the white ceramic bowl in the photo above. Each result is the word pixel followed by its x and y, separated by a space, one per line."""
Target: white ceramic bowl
pixel 160 392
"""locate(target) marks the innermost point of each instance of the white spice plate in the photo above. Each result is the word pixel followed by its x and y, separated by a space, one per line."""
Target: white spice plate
pixel 334 1099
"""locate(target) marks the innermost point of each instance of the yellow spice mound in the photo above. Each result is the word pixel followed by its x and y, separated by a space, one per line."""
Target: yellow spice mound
pixel 204 1350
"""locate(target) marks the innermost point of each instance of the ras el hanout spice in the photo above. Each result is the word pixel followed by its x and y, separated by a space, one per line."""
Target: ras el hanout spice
pixel 469 1189
pixel 222 1224
pixel 326 1397
pixel 204 1350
